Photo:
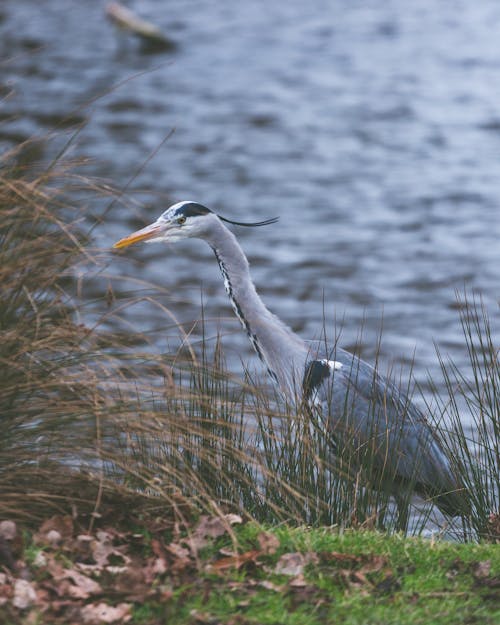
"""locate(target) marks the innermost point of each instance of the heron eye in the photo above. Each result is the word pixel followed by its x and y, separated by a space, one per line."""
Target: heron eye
pixel 181 220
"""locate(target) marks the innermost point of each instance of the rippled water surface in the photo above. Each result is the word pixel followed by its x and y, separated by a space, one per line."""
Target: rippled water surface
pixel 372 129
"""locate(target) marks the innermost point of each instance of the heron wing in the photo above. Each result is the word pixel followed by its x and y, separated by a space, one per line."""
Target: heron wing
pixel 373 418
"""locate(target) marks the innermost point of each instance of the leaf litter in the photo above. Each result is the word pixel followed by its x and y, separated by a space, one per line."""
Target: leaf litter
pixel 70 574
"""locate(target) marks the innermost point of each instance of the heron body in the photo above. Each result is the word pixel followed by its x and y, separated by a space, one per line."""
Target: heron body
pixel 357 405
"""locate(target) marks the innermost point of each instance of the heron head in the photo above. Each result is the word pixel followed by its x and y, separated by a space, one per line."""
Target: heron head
pixel 182 221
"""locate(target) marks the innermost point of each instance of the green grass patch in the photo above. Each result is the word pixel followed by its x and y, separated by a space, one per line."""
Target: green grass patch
pixel 356 577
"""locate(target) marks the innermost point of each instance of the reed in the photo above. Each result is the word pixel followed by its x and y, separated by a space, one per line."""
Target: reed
pixel 41 394
pixel 469 412
pixel 232 444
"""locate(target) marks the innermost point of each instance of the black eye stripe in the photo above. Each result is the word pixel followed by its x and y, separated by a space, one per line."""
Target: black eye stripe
pixel 192 210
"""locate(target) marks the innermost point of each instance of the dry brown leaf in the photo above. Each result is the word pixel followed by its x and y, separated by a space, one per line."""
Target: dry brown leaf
pixel 135 583
pixel 373 563
pixel 95 614
pixel 210 527
pixel 63 525
pixel 103 548
pixel 84 586
pixel 181 556
pixel 67 589
pixel 201 617
pixel 367 563
pixel 271 586
pixel 298 582
pixel 234 562
pixel 8 530
pixel 268 543
pixel 481 570
pixel 233 519
pixel 213 527
pixel 290 564
pixel 293 563
pixel 159 566
pixel 40 560
pixel 24 594
pixel 359 578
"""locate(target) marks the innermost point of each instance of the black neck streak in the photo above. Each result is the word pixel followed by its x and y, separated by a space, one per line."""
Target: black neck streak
pixel 239 313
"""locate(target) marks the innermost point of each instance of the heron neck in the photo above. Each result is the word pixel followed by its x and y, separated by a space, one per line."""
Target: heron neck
pixel 279 348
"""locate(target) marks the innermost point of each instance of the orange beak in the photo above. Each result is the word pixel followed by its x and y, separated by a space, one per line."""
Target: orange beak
pixel 149 232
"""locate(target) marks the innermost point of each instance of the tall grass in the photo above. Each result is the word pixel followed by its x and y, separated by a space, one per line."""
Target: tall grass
pixel 54 370
pixel 470 407
pixel 228 443
pixel 84 413
pixel 46 394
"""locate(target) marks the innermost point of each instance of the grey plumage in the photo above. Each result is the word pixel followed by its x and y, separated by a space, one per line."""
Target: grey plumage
pixel 355 405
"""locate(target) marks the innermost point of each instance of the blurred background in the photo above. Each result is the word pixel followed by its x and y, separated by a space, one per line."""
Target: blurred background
pixel 372 129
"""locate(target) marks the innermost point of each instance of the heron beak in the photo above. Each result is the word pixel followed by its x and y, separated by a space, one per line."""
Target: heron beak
pixel 145 234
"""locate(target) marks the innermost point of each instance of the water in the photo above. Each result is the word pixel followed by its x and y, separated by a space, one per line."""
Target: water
pixel 372 129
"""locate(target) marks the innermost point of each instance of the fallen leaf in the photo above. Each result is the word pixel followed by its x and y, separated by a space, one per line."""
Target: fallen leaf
pixel 373 563
pixel 103 548
pixel 181 556
pixel 53 537
pixel 358 578
pixel 210 527
pixel 8 530
pixel 40 560
pixel 67 589
pixel 24 594
pixel 213 527
pixel 58 529
pixel 84 585
pixel 290 564
pixel 268 543
pixel 233 519
pixel 293 563
pixel 135 582
pixel 481 570
pixel 490 582
pixel 271 586
pixel 5 589
pixel 233 562
pixel 298 582
pixel 366 563
pixel 95 614
pixel 160 565
pixel 201 617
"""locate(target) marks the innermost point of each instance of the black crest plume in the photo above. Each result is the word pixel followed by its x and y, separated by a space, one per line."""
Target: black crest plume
pixel 253 224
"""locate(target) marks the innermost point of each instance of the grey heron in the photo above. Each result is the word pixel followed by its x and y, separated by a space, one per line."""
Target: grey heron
pixel 352 397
